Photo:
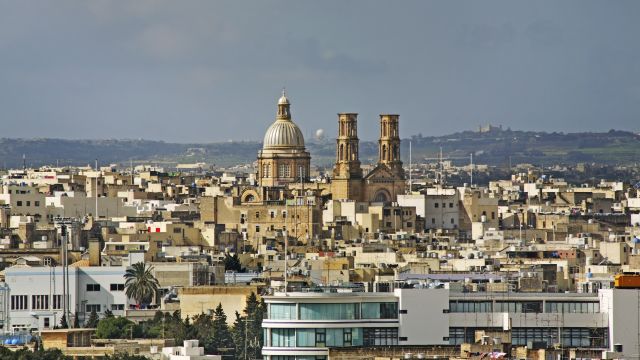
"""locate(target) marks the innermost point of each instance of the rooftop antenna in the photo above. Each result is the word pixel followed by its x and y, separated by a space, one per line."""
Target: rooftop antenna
pixel 471 169
pixel 96 194
pixel 410 178
pixel 286 241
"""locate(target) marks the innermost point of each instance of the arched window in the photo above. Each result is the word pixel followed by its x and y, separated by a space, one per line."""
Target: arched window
pixel 384 152
pixel 341 156
pixel 396 152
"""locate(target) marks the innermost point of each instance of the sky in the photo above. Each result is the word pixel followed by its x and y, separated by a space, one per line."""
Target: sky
pixel 209 71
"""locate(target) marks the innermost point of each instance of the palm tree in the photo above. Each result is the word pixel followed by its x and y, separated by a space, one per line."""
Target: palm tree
pixel 140 284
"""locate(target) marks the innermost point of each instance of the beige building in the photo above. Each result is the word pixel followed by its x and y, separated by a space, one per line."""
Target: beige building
pixel 283 158
pixel 382 184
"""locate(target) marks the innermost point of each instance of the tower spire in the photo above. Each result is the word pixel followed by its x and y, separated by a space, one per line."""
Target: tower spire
pixel 284 112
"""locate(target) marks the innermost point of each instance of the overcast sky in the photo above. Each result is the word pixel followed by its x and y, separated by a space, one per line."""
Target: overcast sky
pixel 205 71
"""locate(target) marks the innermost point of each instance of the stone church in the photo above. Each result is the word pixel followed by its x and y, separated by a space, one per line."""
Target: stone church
pixel 284 159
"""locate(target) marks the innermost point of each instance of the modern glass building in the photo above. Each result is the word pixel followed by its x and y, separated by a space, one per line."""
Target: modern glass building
pixel 303 326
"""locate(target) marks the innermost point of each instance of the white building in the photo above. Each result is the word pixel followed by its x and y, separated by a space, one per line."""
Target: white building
pixel 439 207
pixel 35 298
pixel 189 351
pixel 306 325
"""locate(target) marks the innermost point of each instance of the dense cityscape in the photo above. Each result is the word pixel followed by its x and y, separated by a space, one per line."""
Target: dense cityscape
pixel 282 259
pixel 319 180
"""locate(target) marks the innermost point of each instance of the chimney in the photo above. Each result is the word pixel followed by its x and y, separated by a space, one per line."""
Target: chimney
pixel 94 252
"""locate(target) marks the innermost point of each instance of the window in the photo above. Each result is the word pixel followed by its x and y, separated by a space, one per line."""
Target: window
pixel 283 337
pixel 283 312
pixel 19 203
pixel 257 214
pixel 380 336
pixel 57 302
pixel 335 337
pixel 36 203
pixel 321 337
pixel 117 307
pixel 93 307
pixel 19 302
pixel 436 205
pixel 119 247
pixel 39 302
pixel 47 323
pixel 93 287
pixel 387 310
pixel 305 337
pixel 257 228
pixel 571 307
pixel 177 230
pixel 459 336
pixel 346 337
pixel 350 311
pixel 518 306
pixel 470 306
pixel 28 203
pixel 117 287
pixel 284 170
pixel 451 205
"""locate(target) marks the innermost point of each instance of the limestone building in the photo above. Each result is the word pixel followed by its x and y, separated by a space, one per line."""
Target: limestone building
pixel 382 184
pixel 283 158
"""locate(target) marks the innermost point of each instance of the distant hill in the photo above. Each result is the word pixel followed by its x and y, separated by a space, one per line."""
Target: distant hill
pixel 494 147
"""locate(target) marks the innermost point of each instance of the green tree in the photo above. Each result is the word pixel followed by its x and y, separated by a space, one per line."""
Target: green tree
pixel 123 356
pixel 202 329
pixel 140 284
pixel 247 329
pixel 117 328
pixel 76 321
pixel 108 313
pixel 27 354
pixel 232 263
pixel 63 322
pixel 223 338
pixel 93 320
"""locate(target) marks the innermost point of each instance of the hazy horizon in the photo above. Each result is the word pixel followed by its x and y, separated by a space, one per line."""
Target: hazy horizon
pixel 205 72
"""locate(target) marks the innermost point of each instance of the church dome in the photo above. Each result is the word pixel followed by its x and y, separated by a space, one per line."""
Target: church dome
pixel 283 133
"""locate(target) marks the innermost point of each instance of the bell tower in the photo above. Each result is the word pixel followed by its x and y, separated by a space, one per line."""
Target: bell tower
pixel 347 157
pixel 347 173
pixel 389 143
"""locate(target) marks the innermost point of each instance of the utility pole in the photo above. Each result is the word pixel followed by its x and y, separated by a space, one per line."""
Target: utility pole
pixel 471 169
pixel 410 178
pixel 286 241
pixel 96 193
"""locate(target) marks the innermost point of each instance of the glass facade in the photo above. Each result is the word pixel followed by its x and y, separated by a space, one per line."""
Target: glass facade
pixel 282 311
pixel 518 306
pixel 330 311
pixel 572 307
pixel 459 336
pixel 329 337
pixel 380 336
pixel 283 337
pixel 470 306
pixel 385 310
pixel 458 306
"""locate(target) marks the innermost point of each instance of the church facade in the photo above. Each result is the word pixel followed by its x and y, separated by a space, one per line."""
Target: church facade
pixel 387 179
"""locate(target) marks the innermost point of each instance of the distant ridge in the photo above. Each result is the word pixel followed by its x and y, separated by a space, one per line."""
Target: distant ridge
pixel 493 147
